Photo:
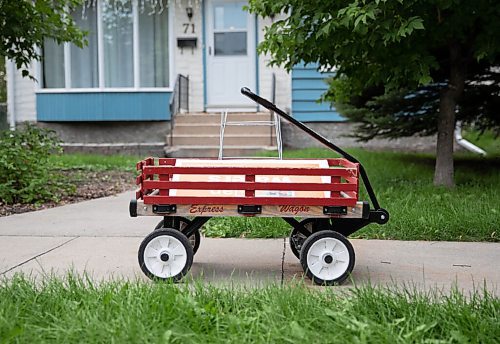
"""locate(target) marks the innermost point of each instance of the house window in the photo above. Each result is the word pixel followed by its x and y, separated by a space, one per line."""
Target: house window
pixel 84 62
pixel 53 64
pixel 128 48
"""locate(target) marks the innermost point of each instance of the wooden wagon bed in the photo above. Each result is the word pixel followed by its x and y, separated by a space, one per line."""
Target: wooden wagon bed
pixel 249 187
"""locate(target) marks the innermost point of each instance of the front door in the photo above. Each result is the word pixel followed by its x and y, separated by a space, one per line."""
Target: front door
pixel 230 55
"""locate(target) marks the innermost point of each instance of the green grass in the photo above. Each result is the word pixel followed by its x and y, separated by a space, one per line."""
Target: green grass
pixel 403 184
pixel 73 310
pixel 487 141
pixel 95 162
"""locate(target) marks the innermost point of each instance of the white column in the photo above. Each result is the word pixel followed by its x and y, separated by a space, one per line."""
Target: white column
pixel 137 72
pixel 11 89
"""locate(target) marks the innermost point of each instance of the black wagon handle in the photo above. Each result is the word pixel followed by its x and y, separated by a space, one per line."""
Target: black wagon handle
pixel 270 106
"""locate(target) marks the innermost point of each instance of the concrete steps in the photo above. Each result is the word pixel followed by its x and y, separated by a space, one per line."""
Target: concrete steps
pixel 213 151
pixel 198 135
pixel 229 140
pixel 214 129
pixel 197 118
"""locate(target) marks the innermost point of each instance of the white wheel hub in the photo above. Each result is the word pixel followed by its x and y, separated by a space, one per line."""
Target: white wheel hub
pixel 328 258
pixel 165 256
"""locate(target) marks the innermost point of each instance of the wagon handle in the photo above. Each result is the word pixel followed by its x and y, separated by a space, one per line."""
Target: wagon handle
pixel 270 106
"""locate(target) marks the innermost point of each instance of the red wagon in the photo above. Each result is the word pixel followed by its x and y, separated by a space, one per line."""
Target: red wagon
pixel 317 197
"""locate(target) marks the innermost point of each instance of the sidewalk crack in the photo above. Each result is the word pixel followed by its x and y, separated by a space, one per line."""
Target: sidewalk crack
pixel 283 262
pixel 38 255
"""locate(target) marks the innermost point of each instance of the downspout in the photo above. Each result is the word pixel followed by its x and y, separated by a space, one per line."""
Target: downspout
pixel 11 106
pixel 464 143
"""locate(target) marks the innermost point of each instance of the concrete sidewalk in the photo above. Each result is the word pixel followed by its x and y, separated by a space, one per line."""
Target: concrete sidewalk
pixel 99 237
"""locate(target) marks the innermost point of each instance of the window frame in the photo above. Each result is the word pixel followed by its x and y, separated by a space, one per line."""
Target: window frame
pixel 100 60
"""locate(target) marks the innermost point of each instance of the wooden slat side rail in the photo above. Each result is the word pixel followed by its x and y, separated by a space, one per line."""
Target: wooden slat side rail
pixel 259 171
pixel 167 161
pixel 146 162
pixel 338 201
pixel 342 163
pixel 160 176
pixel 154 184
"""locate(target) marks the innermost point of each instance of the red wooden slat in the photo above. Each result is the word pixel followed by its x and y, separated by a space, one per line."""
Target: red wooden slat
pixel 167 161
pixel 155 184
pixel 341 172
pixel 138 194
pixel 349 202
pixel 351 180
pixel 250 182
pixel 342 163
pixel 352 194
pixel 146 162
pixel 164 178
pixel 336 180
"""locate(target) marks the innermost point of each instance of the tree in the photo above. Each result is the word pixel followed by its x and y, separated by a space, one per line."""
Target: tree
pixel 394 54
pixel 24 24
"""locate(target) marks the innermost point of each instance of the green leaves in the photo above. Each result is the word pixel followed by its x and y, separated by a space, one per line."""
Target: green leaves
pixel 24 24
pixel 25 171
pixel 384 47
pixel 408 26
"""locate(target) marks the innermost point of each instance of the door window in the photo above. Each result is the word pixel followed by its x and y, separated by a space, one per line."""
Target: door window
pixel 230 29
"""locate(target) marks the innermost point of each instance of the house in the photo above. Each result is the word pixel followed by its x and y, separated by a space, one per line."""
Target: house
pixel 116 92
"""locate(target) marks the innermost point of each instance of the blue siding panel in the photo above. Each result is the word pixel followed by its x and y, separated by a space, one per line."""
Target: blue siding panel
pixel 311 73
pixel 298 95
pixel 318 117
pixel 103 106
pixel 308 84
pixel 311 106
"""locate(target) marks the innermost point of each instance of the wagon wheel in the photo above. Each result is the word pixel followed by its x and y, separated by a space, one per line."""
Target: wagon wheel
pixel 165 254
pixel 194 239
pixel 297 238
pixel 327 257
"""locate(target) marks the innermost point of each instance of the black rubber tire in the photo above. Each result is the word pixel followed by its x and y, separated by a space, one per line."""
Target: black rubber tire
pixel 177 235
pixel 194 239
pixel 313 239
pixel 307 223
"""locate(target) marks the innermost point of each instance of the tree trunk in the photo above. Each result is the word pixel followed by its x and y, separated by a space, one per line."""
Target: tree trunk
pixel 443 173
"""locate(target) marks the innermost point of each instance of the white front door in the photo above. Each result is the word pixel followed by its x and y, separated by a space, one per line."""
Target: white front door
pixel 230 55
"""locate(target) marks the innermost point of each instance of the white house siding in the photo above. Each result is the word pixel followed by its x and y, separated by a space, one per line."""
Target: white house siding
pixel 189 61
pixel 283 79
pixel 24 96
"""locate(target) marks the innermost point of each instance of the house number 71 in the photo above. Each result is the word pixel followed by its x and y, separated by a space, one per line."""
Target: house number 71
pixel 186 27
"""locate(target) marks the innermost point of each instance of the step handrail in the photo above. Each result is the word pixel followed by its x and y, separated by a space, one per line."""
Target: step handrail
pixel 179 101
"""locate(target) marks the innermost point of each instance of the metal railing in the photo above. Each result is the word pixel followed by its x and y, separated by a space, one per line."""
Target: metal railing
pixel 271 114
pixel 274 124
pixel 179 102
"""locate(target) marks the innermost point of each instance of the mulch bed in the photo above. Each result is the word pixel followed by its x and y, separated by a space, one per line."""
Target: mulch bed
pixel 88 185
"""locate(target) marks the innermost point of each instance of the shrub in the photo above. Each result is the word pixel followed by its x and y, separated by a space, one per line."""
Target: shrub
pixel 26 175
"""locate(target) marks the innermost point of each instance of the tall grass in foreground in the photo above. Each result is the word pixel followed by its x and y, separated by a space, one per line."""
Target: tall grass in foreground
pixel 418 209
pixel 73 310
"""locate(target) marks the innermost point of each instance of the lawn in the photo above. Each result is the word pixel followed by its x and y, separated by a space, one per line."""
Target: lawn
pixel 73 310
pixel 95 162
pixel 403 184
